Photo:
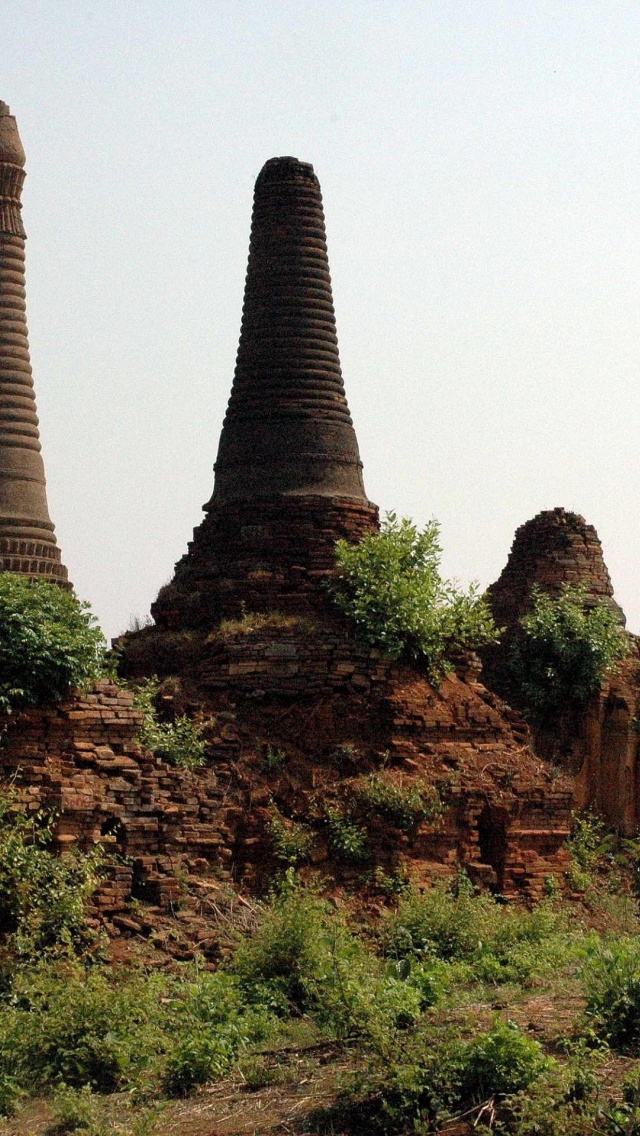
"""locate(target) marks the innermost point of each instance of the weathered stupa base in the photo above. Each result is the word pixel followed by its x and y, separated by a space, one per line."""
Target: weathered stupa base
pixel 268 554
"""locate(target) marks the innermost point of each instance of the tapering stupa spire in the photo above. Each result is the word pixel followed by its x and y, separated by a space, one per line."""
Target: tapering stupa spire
pixel 288 477
pixel 27 540
pixel 288 427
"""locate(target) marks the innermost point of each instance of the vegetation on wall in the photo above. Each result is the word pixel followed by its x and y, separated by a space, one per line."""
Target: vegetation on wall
pixel 564 648
pixel 180 742
pixel 49 642
pixel 389 585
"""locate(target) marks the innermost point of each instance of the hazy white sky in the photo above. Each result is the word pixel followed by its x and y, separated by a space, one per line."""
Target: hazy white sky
pixel 480 169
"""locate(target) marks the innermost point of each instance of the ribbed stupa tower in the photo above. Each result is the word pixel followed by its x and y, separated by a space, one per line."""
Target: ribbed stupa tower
pixel 27 540
pixel 288 477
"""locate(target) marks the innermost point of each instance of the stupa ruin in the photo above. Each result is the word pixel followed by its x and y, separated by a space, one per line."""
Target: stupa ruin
pixel 288 476
pixel 27 539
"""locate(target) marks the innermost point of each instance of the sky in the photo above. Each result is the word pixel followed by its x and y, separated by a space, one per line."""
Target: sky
pixel 480 168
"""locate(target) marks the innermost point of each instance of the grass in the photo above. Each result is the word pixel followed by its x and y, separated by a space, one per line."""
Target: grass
pixel 449 1007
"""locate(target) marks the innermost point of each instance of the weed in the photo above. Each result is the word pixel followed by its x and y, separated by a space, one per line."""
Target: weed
pixel 274 758
pixel 404 806
pixel 611 978
pixel 292 843
pixel 347 839
pixel 180 742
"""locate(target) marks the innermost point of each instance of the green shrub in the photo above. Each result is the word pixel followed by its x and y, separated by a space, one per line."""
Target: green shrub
pixel 42 896
pixel 404 806
pixel 390 586
pixel 210 1022
pixel 292 843
pixel 612 984
pixel 303 959
pixel 499 1062
pixel 347 839
pixel 564 648
pixel 495 943
pixel 49 642
pixel 180 742
pixel 82 1028
pixel 439 924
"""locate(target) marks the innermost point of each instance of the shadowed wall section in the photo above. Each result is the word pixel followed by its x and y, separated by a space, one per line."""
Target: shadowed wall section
pixel 27 540
pixel 288 476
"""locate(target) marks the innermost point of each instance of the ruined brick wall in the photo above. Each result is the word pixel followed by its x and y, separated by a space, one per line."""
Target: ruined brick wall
pixel 82 758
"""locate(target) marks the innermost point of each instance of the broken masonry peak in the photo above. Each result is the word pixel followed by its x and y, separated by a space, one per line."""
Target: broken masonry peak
pixel 555 548
pixel 288 476
pixel 27 540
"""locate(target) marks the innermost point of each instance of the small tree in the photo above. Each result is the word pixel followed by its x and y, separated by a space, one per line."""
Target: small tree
pixel 390 586
pixel 564 648
pixel 49 642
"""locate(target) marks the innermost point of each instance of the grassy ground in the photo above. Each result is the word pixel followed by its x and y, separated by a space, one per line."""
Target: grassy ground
pixel 447 1013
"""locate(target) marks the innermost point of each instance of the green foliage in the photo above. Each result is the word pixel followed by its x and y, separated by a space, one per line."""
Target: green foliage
pixel 304 959
pixel 101 1032
pixel 42 896
pixel 390 586
pixel 404 806
pixel 564 649
pixel 180 742
pixel 347 839
pixel 292 843
pixel 49 642
pixel 83 1111
pixel 81 1028
pixel 209 1023
pixel 495 943
pixel 612 983
pixel 274 758
pixel 588 845
pixel 499 1062
pixel 439 924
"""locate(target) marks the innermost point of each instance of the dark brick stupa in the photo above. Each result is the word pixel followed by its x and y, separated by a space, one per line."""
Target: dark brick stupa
pixel 555 548
pixel 27 540
pixel 288 477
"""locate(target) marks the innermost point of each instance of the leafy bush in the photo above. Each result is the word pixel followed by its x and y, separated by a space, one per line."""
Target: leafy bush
pixel 499 1062
pixel 404 806
pixel 612 983
pixel 439 924
pixel 81 1028
pixel 390 586
pixel 303 959
pixel 180 742
pixel 564 648
pixel 495 943
pixel 210 1022
pixel 99 1031
pixel 42 896
pixel 292 843
pixel 49 642
pixel 347 839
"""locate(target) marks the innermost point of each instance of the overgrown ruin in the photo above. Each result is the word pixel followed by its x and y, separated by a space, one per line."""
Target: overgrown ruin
pixel 300 716
pixel 295 681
